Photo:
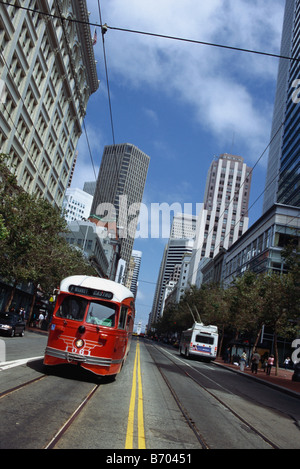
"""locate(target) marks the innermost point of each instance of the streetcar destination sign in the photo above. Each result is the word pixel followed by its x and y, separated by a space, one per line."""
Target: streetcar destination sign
pixel 106 295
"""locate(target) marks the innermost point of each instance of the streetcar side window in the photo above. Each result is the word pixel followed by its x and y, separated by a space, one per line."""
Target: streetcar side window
pixel 72 308
pixel 123 315
pixel 102 314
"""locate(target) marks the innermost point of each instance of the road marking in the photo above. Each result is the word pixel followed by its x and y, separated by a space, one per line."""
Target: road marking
pixel 13 363
pixel 136 380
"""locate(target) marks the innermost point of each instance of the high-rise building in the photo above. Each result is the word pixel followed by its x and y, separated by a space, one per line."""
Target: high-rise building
pixel 119 192
pixel 77 204
pixel 283 174
pixel 183 226
pixel 90 187
pixel 224 215
pixel 136 259
pixel 48 71
pixel 170 268
pixel 180 243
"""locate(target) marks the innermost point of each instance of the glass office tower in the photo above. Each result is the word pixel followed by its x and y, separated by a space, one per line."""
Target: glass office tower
pixel 282 182
pixel 289 174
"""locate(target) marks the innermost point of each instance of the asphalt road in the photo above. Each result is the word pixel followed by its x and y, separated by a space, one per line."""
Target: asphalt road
pixel 159 401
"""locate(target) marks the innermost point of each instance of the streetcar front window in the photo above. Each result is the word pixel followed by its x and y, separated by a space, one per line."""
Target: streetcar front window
pixel 72 308
pixel 102 314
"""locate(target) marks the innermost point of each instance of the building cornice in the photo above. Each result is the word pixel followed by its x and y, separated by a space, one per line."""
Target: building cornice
pixel 84 34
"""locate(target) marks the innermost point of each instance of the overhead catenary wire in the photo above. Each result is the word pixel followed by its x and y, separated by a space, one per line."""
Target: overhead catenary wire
pixel 157 35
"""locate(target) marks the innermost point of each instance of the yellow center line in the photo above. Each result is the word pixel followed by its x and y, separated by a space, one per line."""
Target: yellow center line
pixel 140 420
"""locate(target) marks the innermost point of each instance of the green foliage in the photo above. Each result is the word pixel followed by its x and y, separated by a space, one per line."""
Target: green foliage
pixel 32 248
pixel 250 302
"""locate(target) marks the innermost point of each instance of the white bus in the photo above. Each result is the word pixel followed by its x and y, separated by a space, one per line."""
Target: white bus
pixel 199 341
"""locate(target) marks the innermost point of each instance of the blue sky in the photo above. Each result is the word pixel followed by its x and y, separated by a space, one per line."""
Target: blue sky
pixel 183 103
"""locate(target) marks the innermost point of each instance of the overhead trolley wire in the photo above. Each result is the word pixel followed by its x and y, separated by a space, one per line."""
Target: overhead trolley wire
pixel 146 33
pixel 204 43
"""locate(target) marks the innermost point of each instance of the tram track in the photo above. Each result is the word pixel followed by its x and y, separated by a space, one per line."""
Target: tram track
pixel 65 419
pixel 185 413
pixel 59 434
pixel 9 391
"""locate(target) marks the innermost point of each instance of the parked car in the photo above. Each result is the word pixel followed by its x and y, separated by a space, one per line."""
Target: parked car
pixel 12 324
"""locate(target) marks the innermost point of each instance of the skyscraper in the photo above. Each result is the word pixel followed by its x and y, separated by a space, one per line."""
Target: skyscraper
pixel 119 192
pixel 48 70
pixel 183 226
pixel 136 258
pixel 283 174
pixel 173 256
pixel 224 216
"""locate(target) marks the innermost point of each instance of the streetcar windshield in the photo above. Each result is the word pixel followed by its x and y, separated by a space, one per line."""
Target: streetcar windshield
pixel 72 308
pixel 102 314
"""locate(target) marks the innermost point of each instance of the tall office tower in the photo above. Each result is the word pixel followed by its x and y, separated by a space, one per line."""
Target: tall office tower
pixel 137 258
pixel 283 175
pixel 90 187
pixel 224 215
pixel 173 256
pixel 183 226
pixel 48 71
pixel 120 186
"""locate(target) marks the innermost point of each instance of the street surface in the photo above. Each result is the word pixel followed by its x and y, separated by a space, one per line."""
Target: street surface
pixel 159 401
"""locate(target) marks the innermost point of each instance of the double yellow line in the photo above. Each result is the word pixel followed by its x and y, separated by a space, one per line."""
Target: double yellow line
pixel 136 380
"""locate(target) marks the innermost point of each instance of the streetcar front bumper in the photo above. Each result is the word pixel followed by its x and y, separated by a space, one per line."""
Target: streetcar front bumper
pixel 70 357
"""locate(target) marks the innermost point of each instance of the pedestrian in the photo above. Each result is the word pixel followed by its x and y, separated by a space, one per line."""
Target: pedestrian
pixel 243 360
pixel 22 313
pixel 227 355
pixel 41 319
pixel 287 362
pixel 264 363
pixel 255 361
pixel 270 363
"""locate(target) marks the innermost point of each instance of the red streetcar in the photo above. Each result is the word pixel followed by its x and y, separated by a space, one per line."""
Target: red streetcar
pixel 92 325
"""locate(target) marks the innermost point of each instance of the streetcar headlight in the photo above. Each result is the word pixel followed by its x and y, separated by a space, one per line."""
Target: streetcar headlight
pixel 79 343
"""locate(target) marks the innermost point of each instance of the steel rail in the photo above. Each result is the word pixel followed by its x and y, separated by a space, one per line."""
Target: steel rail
pixel 238 416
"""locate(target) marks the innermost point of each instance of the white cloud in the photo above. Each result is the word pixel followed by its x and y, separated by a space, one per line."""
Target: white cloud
pixel 222 87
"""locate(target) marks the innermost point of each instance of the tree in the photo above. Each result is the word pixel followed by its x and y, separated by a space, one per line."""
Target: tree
pixel 280 306
pixel 215 309
pixel 32 248
pixel 245 301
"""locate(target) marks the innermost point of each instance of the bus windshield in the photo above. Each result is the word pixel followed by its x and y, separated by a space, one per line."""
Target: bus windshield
pixel 101 313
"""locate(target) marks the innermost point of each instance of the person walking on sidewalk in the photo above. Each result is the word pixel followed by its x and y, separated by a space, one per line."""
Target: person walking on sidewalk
pixel 243 360
pixel 270 363
pixel 255 361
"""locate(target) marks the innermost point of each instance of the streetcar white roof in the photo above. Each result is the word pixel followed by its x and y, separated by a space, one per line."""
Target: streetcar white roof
pixel 119 291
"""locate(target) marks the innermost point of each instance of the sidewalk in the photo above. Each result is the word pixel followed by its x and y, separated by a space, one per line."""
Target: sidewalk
pixel 283 381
